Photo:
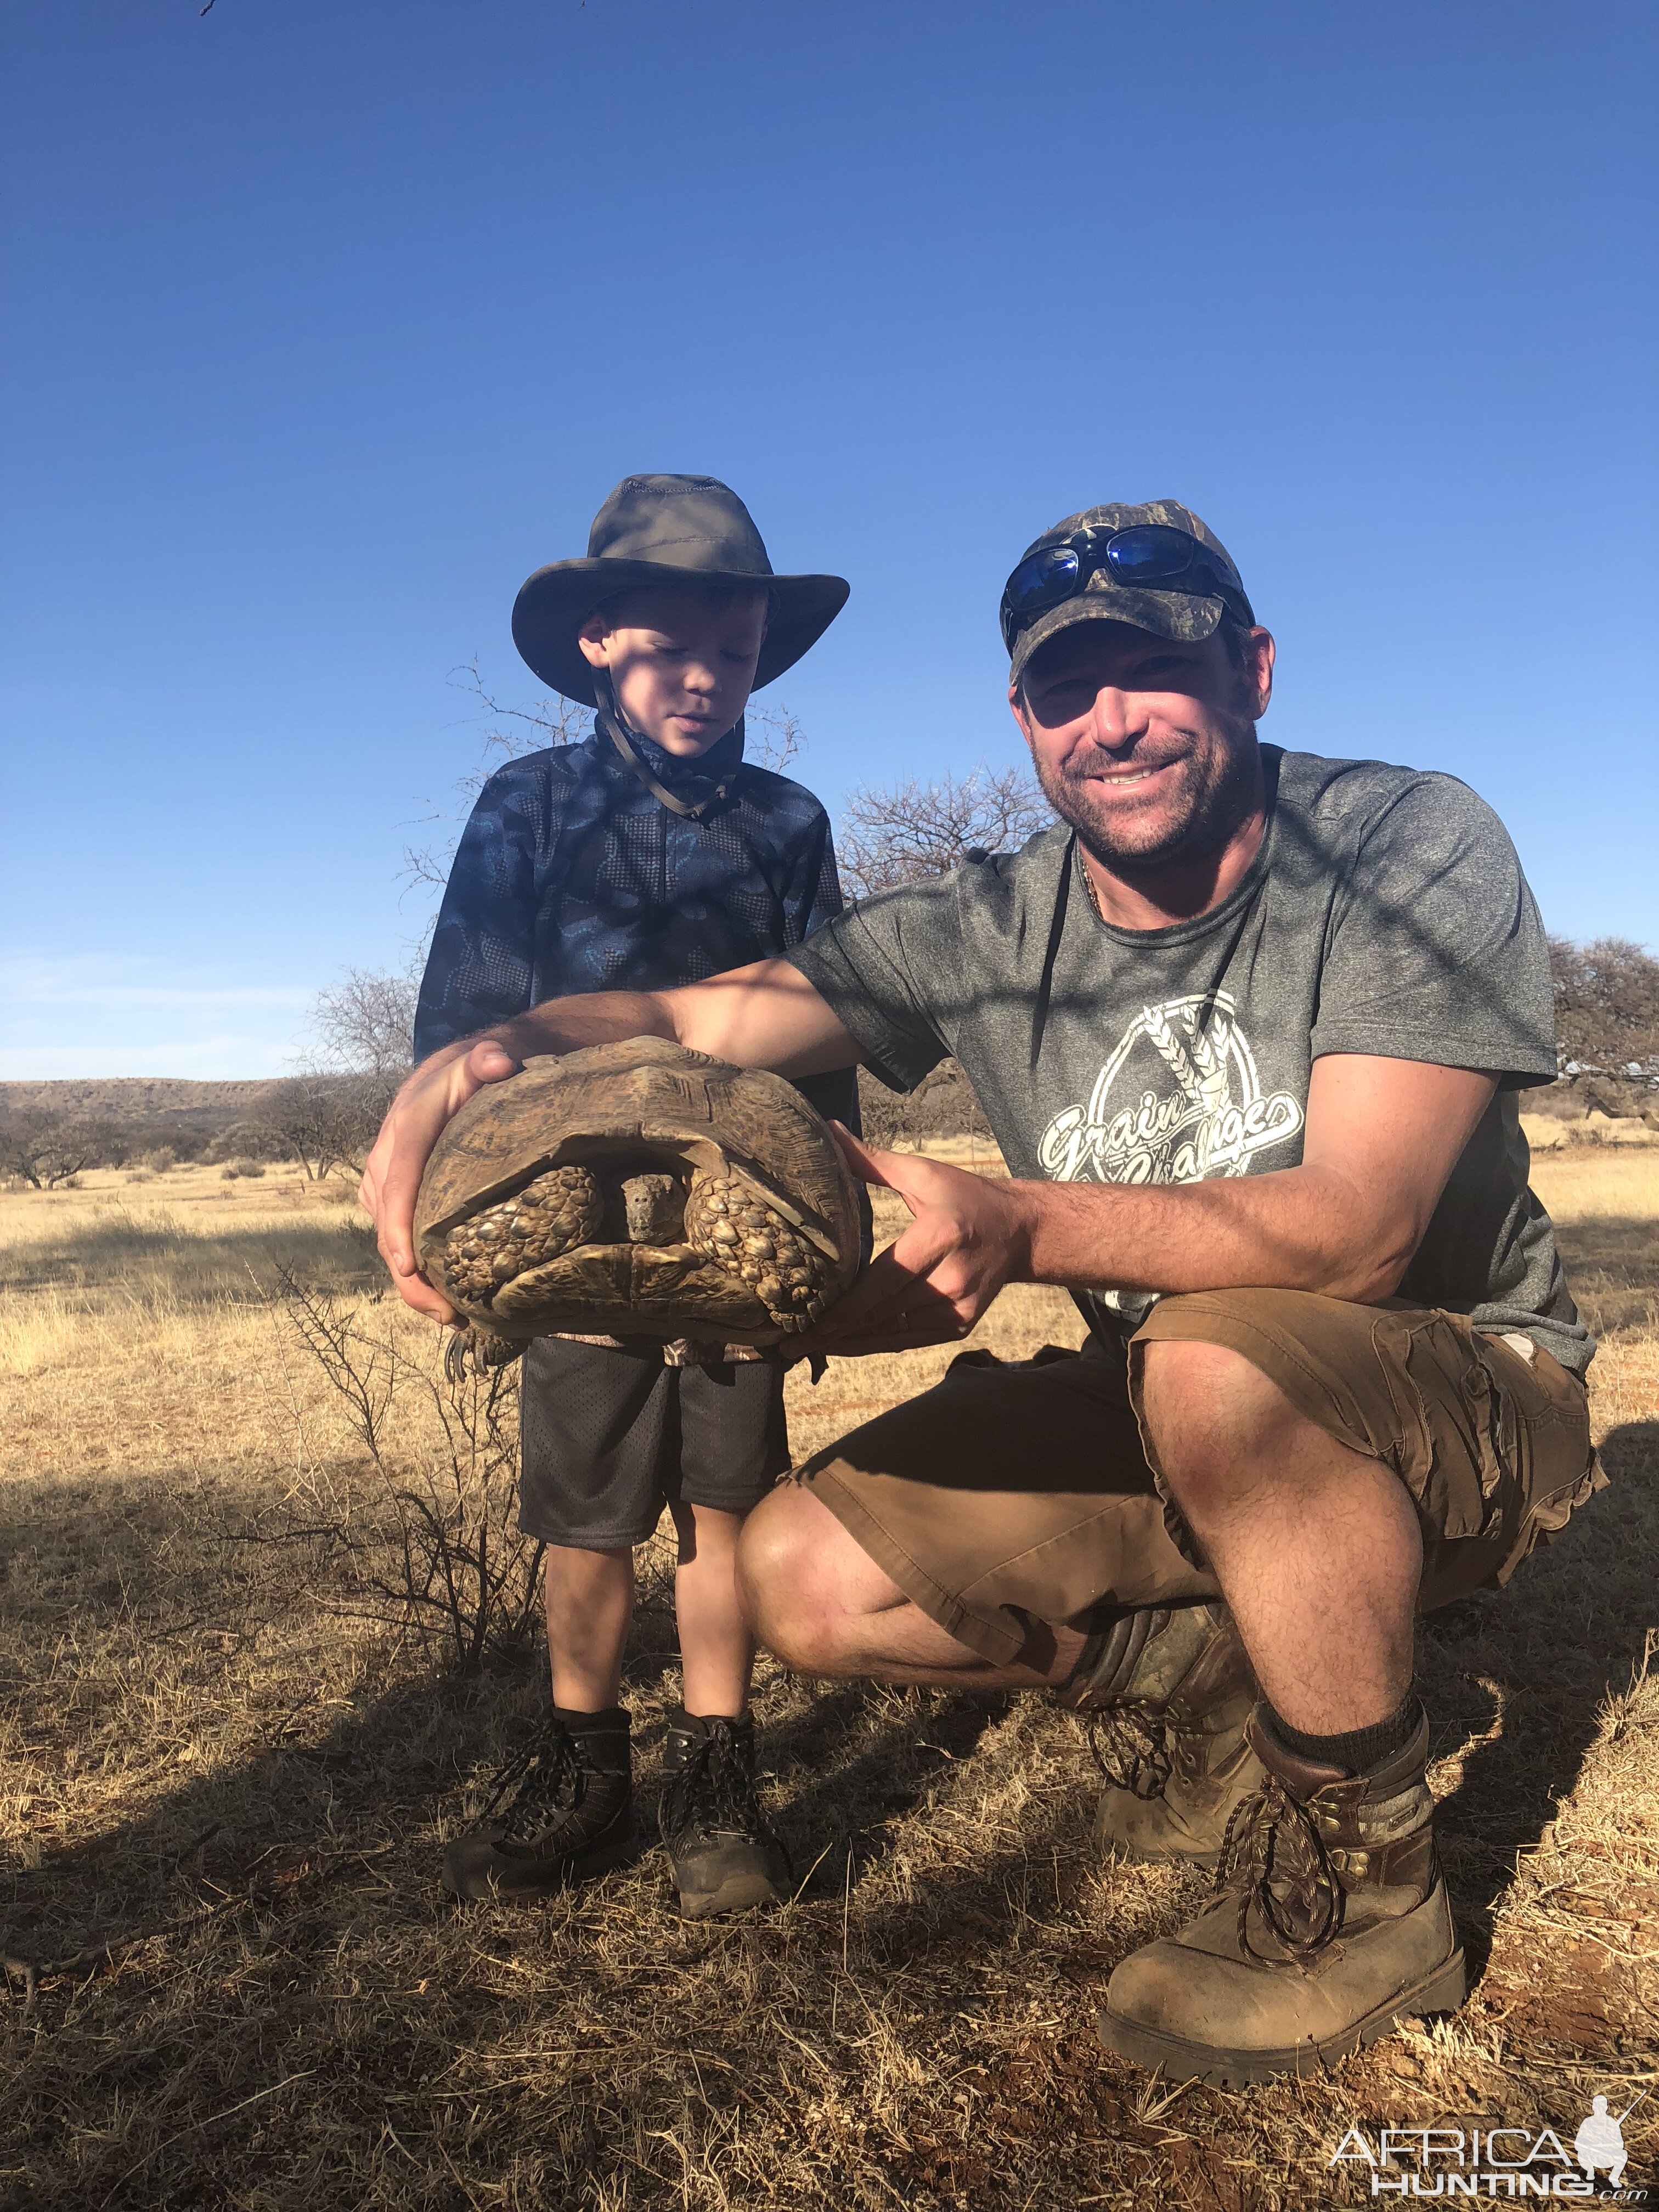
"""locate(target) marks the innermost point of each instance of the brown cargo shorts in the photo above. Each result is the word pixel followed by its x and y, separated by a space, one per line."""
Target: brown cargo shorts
pixel 1009 1493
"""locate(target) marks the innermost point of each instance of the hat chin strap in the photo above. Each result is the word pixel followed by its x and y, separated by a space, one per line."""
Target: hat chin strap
pixel 609 715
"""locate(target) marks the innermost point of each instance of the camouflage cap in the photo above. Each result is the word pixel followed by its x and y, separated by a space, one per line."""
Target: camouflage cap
pixel 1185 615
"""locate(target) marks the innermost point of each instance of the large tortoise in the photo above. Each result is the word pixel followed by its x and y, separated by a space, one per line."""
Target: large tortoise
pixel 636 1189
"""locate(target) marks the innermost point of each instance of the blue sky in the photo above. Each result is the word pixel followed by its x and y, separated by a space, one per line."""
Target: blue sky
pixel 326 325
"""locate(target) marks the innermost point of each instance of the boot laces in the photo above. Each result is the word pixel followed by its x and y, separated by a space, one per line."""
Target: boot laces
pixel 1274 1851
pixel 549 1776
pixel 1130 1744
pixel 713 1793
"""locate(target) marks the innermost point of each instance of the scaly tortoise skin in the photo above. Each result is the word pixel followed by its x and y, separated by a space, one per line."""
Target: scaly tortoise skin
pixel 636 1189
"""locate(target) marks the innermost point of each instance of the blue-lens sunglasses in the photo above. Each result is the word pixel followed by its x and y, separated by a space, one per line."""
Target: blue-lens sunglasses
pixel 1152 555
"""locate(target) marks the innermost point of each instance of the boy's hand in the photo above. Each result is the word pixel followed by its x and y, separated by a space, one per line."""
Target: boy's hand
pixel 438 1090
pixel 968 1238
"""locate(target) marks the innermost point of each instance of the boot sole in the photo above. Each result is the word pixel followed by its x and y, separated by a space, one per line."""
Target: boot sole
pixel 1180 2060
pixel 486 1889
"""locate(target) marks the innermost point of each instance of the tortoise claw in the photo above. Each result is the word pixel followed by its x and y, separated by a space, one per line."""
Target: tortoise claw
pixel 471 1350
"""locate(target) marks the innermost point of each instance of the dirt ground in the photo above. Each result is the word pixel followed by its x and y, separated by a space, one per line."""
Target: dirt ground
pixel 228 1771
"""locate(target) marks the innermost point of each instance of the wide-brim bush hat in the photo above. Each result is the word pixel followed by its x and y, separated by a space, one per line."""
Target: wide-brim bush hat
pixel 656 530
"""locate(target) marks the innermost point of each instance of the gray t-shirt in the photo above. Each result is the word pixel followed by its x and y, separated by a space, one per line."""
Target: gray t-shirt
pixel 1386 914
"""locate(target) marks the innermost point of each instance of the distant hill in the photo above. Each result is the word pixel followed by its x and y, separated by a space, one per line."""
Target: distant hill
pixel 944 1105
pixel 165 1107
pixel 149 1101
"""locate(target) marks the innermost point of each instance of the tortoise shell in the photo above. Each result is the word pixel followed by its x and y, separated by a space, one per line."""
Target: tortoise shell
pixel 639 1189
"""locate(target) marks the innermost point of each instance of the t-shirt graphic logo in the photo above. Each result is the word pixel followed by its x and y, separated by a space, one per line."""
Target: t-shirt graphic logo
pixel 1178 1101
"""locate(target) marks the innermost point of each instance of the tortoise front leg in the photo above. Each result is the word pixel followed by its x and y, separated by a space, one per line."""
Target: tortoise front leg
pixel 472 1349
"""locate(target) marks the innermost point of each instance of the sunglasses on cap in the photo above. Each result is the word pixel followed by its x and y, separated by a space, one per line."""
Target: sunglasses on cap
pixel 1151 555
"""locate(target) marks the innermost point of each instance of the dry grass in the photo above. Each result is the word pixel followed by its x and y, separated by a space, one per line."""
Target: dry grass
pixel 202 1740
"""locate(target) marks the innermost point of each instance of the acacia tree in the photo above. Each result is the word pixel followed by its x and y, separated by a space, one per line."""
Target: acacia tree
pixel 909 832
pixel 47 1150
pixel 1607 1007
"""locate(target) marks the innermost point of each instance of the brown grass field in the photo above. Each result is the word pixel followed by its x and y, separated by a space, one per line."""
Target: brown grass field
pixel 228 1771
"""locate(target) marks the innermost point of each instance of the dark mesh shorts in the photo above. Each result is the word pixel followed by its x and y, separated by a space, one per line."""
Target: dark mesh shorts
pixel 609 1437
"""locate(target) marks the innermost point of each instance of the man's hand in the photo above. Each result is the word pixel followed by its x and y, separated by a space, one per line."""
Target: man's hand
pixel 438 1090
pixel 968 1237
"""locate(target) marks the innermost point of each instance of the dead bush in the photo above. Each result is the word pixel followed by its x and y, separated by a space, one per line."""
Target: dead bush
pixel 445 1561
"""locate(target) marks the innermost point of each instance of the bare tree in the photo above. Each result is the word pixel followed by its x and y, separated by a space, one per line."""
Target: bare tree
pixel 507 731
pixel 773 736
pixel 507 734
pixel 772 732
pixel 365 1025
pixel 325 1115
pixel 324 1121
pixel 911 831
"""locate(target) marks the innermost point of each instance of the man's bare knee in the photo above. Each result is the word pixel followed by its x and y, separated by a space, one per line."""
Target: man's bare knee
pixel 786 1583
pixel 1211 1415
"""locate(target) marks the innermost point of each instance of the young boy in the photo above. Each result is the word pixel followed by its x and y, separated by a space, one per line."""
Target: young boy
pixel 648 855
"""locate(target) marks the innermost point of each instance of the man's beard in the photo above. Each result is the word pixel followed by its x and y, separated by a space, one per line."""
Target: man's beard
pixel 1222 783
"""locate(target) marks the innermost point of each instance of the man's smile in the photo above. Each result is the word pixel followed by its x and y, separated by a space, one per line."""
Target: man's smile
pixel 1129 775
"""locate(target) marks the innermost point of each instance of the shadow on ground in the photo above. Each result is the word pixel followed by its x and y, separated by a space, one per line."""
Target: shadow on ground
pixel 312 2009
pixel 1615 1275
pixel 1534 1665
pixel 201 1268
pixel 386 1777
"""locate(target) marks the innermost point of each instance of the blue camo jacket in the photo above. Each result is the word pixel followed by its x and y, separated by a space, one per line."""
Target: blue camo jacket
pixel 572 876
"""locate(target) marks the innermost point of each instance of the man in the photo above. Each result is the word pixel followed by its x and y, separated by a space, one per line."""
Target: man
pixel 1248 1028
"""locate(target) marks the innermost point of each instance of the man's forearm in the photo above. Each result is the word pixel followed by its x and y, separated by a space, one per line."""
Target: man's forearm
pixel 597 1018
pixel 767 1015
pixel 1305 1229
pixel 1382 1138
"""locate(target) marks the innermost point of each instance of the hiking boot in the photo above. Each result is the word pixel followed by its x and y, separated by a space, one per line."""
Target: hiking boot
pixel 562 1810
pixel 1167 1730
pixel 1333 1926
pixel 724 1855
